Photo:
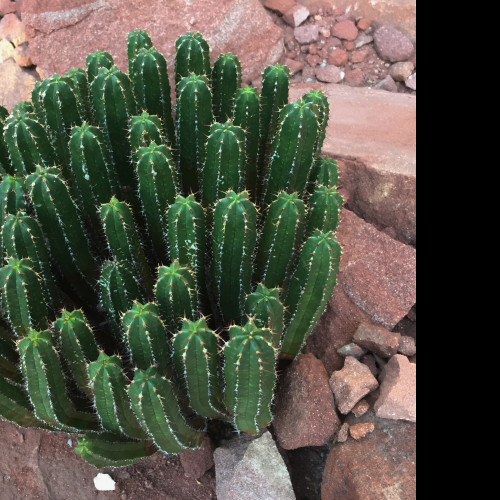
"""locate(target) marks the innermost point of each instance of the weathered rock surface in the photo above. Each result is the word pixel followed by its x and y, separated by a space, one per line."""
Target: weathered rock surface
pixel 16 85
pixel 296 15
pixel 7 7
pixel 338 57
pixel 351 384
pixel 407 346
pixel 388 84
pixel 376 284
pixel 307 34
pixel 305 413
pixel 361 408
pixel 6 50
pixel 398 391
pixel 252 468
pixel 345 30
pixel 343 434
pixel 279 6
pixel 377 340
pixel 360 431
pixel 373 134
pixel 380 466
pixel 392 45
pixel 411 83
pixel 329 74
pixel 401 71
pixel 353 350
pixel 39 465
pixel 196 463
pixel 12 30
pixel 226 24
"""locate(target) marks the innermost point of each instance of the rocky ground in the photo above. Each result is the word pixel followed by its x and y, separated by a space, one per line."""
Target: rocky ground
pixel 345 423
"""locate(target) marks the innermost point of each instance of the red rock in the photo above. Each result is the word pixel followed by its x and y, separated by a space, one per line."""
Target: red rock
pixel 377 340
pixel 333 42
pixel 313 60
pixel 343 434
pixel 355 78
pixel 338 57
pixel 392 45
pixel 407 346
pixel 259 42
pixel 296 15
pixel 387 84
pixel 22 56
pixel 348 45
pixel 279 6
pixel 359 431
pixel 16 84
pixel 295 66
pixel 305 412
pixel 398 392
pixel 196 463
pixel 361 408
pixel 401 71
pixel 352 350
pixel 370 361
pixel 381 466
pixel 291 55
pixel 345 30
pixel 12 29
pixel 351 384
pixel 364 24
pixel 329 74
pixel 307 34
pixel 325 32
pixel 360 56
pixel 313 49
pixel 7 7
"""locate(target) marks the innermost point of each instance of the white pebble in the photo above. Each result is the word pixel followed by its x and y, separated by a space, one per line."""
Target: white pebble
pixel 104 482
pixel 70 443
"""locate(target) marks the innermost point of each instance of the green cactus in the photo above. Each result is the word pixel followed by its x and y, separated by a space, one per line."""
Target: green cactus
pixel 152 89
pixel 196 346
pixel 233 240
pixel 226 80
pixel 108 384
pixel 280 239
pixel 194 118
pixel 250 375
pixel 192 56
pixel 225 162
pixel 310 289
pixel 224 215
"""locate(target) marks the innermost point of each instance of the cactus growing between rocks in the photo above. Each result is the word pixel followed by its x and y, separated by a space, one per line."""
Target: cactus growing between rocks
pixel 189 256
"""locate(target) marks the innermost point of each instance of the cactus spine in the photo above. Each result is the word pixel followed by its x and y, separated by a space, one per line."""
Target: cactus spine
pixel 250 375
pixel 233 240
pixel 12 196
pixel 196 360
pixel 144 130
pixel 5 166
pixel 192 56
pixel 325 209
pixel 226 80
pixel 96 61
pixel 136 41
pixel 310 289
pixel 328 174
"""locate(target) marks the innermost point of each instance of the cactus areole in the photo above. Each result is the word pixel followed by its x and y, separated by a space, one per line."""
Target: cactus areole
pixel 155 268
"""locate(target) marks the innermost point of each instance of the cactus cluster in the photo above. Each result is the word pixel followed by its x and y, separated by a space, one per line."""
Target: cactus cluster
pixel 155 268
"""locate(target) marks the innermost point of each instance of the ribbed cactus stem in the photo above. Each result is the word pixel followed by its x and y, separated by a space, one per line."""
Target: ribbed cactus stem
pixel 45 383
pixel 194 118
pixel 152 89
pixel 110 450
pixel 5 165
pixel 325 206
pixel 225 162
pixel 118 290
pixel 12 196
pixel 274 95
pixel 144 130
pixel 92 169
pixel 28 144
pixel 281 237
pixel 158 188
pixel 292 151
pixel 78 345
pixel 187 237
pixel 328 174
pixel 109 386
pixel 250 374
pixel 96 61
pixel 247 116
pixel 22 238
pixel 320 100
pixel 267 311
pixel 37 100
pixel 114 103
pixel 196 360
pixel 124 241
pixel 226 80
pixel 192 56
pixel 146 337
pixel 61 224
pixel 79 82
pixel 233 241
pixel 176 295
pixel 23 300
pixel 310 289
pixel 157 409
pixel 136 41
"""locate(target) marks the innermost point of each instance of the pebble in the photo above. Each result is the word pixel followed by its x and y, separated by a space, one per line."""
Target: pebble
pixel 296 15
pixel 345 30
pixel 407 346
pixel 330 74
pixel 411 83
pixel 359 431
pixel 364 24
pixel 294 66
pixel 307 34
pixel 104 482
pixel 360 56
pixel 343 434
pixel 392 45
pixel 377 340
pixel 338 58
pixel 361 408
pixel 355 78
pixel 352 350
pixel 362 40
pixel 401 71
